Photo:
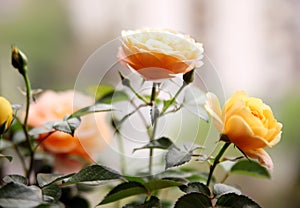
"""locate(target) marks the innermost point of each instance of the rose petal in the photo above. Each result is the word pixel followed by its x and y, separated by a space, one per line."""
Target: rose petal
pixel 153 73
pixel 275 140
pixel 126 57
pixel 237 97
pixel 262 156
pixel 159 54
pixel 240 133
pixel 148 60
pixel 212 106
pixel 59 142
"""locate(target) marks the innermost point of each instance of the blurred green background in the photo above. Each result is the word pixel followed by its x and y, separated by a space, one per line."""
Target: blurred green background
pixel 252 45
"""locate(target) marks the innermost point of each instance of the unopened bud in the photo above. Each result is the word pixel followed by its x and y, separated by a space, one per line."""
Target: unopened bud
pixel 125 81
pixel 188 77
pixel 19 60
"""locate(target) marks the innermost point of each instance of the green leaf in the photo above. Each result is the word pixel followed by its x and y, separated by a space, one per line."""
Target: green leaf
pixel 10 158
pixel 135 179
pixel 68 126
pixel 159 184
pixel 53 192
pixel 46 128
pixel 101 91
pixel 187 174
pixel 194 100
pixel 107 94
pixel 157 100
pixel 193 200
pixel 195 187
pixel 116 96
pixel 161 143
pixel 221 189
pixel 176 157
pixel 97 108
pixel 16 179
pixel 45 179
pixel 176 179
pixel 251 168
pixel 167 104
pixel 124 190
pixel 77 202
pixel 16 195
pixel 233 200
pixel 94 173
pixel 52 205
pixel 153 202
pixel 199 176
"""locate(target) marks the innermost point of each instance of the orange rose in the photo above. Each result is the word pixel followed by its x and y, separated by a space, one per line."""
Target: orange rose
pixel 90 137
pixel 6 114
pixel 248 123
pixel 159 54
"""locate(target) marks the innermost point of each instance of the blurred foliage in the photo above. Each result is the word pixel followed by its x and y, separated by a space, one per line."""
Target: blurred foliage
pixel 289 115
pixel 42 30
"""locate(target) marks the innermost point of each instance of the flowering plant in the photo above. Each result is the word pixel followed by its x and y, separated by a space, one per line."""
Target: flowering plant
pixel 58 135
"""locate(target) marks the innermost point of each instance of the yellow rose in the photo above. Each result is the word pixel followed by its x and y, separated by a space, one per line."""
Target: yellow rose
pixel 248 123
pixel 6 114
pixel 158 54
pixel 90 137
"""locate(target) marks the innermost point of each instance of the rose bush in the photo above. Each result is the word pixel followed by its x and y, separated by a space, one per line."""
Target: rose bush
pixel 90 137
pixel 158 54
pixel 6 114
pixel 248 123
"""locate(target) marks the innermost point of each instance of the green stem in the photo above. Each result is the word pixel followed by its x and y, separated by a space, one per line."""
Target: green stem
pixel 152 103
pixel 25 127
pixel 138 95
pixel 216 162
pixel 151 149
pixel 122 157
pixel 173 99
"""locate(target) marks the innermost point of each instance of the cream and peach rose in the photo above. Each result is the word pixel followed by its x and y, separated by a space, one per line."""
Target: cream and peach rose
pixel 159 54
pixel 91 136
pixel 6 114
pixel 248 123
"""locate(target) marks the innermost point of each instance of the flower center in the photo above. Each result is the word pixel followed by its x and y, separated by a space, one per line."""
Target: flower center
pixel 257 114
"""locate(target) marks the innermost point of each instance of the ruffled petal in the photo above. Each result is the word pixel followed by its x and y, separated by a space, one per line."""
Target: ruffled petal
pixel 275 140
pixel 262 156
pixel 241 134
pixel 212 106
pixel 59 142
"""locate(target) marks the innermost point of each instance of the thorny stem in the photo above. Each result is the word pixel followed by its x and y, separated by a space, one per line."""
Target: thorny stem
pixel 120 141
pixel 152 103
pixel 216 162
pixel 24 126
